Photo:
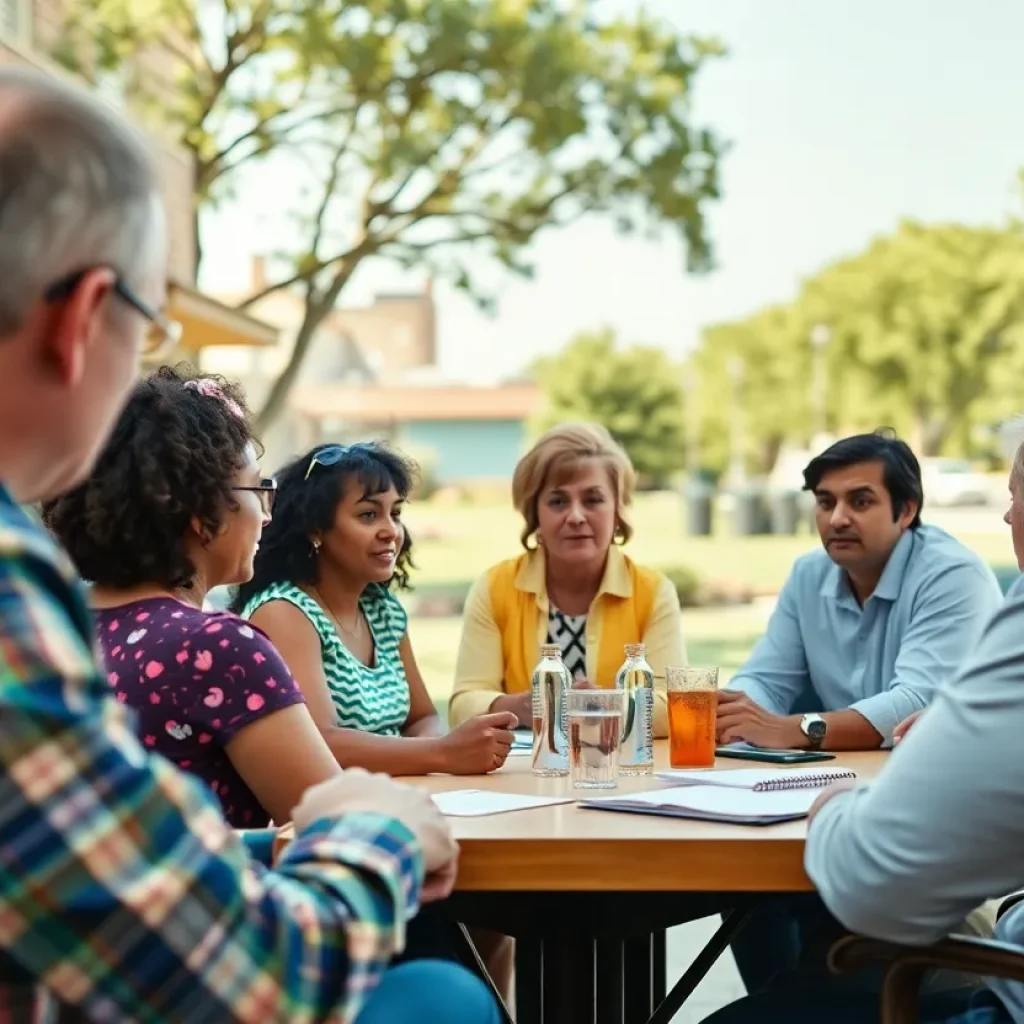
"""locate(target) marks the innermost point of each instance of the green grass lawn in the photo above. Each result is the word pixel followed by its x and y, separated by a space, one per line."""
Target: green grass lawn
pixel 454 543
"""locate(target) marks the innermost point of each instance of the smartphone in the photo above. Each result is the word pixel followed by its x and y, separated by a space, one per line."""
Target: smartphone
pixel 747 752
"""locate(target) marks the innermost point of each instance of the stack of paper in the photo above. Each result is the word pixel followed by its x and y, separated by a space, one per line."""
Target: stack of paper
pixel 713 803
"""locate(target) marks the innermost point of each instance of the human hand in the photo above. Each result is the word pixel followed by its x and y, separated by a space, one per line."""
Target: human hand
pixel 356 791
pixel 520 704
pixel 827 794
pixel 439 884
pixel 583 684
pixel 901 730
pixel 479 745
pixel 739 718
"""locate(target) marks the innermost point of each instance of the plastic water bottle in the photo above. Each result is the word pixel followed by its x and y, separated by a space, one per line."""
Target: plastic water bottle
pixel 550 743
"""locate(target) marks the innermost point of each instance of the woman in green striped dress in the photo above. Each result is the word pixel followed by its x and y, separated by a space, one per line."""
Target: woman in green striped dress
pixel 323 592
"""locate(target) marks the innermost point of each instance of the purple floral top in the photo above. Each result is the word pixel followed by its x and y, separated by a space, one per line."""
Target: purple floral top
pixel 195 679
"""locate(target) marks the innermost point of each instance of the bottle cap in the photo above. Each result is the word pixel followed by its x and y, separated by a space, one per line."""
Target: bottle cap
pixel 636 650
pixel 550 651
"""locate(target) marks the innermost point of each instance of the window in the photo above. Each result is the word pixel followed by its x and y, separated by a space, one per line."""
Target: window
pixel 16 22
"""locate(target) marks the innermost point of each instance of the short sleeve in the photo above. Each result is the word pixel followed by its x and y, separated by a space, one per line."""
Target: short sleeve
pixel 397 617
pixel 237 677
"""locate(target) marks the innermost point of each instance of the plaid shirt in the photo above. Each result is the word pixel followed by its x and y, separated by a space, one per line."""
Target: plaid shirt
pixel 122 890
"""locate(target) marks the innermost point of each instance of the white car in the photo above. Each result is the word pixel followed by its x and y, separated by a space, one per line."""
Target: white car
pixel 954 482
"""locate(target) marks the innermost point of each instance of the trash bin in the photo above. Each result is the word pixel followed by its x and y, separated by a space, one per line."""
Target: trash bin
pixel 749 513
pixel 700 503
pixel 785 513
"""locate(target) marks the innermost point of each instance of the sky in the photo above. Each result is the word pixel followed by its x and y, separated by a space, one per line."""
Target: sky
pixel 843 118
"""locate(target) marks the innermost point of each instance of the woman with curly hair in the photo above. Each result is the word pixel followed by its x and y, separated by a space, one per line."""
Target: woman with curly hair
pixel 174 507
pixel 322 592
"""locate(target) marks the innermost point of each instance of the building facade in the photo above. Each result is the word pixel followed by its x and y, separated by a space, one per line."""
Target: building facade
pixel 29 31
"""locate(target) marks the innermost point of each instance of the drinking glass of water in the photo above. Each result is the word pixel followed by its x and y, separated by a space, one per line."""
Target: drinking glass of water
pixel 595 731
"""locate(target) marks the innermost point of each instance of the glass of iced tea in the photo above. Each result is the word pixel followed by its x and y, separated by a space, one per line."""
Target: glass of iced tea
pixel 692 700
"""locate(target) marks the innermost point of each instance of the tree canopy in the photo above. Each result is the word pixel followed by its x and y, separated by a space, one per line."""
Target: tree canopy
pixel 924 334
pixel 635 392
pixel 441 134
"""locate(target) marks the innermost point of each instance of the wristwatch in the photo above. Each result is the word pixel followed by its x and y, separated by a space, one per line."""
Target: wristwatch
pixel 814 728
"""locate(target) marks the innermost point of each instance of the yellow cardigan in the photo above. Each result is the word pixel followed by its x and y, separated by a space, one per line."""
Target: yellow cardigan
pixel 506 621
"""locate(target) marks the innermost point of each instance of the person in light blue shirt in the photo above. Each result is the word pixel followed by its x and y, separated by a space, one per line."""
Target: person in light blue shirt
pixel 939 830
pixel 866 631
pixel 868 627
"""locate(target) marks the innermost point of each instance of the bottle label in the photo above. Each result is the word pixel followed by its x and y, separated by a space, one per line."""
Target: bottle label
pixel 638 731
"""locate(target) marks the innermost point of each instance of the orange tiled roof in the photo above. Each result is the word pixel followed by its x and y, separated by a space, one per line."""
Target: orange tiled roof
pixel 375 404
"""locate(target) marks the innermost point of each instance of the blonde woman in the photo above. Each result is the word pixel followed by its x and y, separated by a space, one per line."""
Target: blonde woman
pixel 572 586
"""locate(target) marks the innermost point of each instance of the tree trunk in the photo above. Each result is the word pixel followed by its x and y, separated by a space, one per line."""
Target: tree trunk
pixel 197 244
pixel 316 310
pixel 274 404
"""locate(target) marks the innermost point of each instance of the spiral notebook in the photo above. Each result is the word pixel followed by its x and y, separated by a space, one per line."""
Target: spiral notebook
pixel 724 804
pixel 759 780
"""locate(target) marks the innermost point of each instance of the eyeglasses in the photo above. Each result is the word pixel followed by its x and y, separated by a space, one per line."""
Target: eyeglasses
pixel 162 334
pixel 331 456
pixel 267 491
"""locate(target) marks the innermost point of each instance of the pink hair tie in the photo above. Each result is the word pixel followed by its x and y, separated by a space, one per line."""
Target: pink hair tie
pixel 211 390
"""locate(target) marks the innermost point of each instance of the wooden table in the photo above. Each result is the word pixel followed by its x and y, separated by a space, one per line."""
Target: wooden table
pixel 588 894
pixel 565 849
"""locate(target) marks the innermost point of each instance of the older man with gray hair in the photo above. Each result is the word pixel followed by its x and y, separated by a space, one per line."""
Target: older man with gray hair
pixel 123 893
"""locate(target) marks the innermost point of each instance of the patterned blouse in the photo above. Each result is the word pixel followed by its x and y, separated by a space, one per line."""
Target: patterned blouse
pixel 195 680
pixel 372 699
pixel 570 633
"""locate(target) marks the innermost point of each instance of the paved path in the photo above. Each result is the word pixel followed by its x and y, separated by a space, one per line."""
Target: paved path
pixel 722 984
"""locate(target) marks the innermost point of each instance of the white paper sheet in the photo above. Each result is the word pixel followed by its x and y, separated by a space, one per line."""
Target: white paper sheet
pixel 472 803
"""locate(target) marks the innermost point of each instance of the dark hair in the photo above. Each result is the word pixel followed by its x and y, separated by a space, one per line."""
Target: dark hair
pixel 306 503
pixel 171 459
pixel 901 472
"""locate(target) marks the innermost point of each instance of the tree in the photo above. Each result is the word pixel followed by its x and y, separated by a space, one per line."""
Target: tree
pixel 924 323
pixel 634 392
pixel 926 335
pixel 752 387
pixel 441 134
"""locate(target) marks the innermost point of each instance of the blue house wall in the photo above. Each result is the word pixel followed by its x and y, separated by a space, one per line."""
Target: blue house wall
pixel 468 449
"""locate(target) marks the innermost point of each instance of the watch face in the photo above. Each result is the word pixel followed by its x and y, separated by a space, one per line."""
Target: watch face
pixel 816 730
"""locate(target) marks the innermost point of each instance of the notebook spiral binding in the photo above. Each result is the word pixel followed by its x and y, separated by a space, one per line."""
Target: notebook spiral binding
pixel 806 781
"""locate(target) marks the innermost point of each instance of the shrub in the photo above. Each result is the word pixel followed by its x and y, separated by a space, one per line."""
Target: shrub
pixel 687 584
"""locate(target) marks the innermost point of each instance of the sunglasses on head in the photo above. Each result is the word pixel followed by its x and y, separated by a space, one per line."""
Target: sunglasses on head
pixel 266 491
pixel 330 456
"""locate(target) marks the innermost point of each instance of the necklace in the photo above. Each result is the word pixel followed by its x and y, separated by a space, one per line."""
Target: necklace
pixel 354 634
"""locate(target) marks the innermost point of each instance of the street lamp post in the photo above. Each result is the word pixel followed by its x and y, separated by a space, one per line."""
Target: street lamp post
pixel 821 335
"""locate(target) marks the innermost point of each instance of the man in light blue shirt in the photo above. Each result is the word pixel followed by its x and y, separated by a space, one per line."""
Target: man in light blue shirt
pixel 939 831
pixel 866 630
pixel 869 627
